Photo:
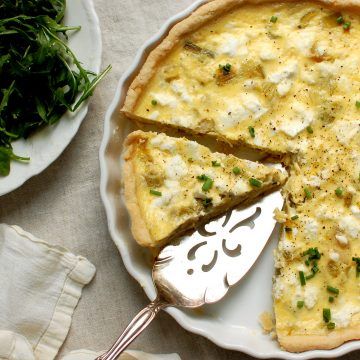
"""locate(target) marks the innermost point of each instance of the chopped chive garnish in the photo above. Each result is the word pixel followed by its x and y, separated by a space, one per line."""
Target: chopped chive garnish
pixel 236 170
pixel 313 253
pixel 225 68
pixel 339 192
pixel 273 19
pixel 302 278
pixel 155 192
pixel 357 104
pixel 154 102
pixel 315 268
pixel 207 184
pixel 215 163
pixel 207 202
pixel 331 326
pixel 308 194
pixel 202 177
pixel 332 289
pixel 255 182
pixel 308 277
pixel 300 304
pixel 251 131
pixel 326 315
pixel 357 260
pixel 288 229
pixel 340 20
pixel 309 129
pixel 347 25
pixel 331 299
pixel 295 217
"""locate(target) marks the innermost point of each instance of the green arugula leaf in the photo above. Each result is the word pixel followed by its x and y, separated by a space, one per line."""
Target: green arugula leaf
pixel 40 77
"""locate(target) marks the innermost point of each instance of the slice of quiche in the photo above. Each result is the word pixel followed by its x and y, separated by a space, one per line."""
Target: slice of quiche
pixel 173 183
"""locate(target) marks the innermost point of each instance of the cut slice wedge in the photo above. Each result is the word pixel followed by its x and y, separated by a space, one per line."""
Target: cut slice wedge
pixel 173 183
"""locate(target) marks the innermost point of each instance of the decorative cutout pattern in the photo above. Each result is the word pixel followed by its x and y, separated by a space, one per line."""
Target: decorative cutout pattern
pixel 202 266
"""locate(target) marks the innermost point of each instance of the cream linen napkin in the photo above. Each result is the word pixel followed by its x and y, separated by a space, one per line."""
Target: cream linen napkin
pixel 40 286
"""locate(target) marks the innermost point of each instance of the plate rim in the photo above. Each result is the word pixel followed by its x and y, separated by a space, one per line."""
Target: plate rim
pixel 187 323
pixel 83 110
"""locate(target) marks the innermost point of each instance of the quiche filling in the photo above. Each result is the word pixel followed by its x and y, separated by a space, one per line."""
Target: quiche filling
pixel 284 78
pixel 177 182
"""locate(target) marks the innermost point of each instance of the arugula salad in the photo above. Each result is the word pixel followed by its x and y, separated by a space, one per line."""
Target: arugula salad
pixel 40 77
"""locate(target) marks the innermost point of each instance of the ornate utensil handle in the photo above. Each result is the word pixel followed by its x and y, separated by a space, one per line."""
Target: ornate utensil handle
pixel 134 329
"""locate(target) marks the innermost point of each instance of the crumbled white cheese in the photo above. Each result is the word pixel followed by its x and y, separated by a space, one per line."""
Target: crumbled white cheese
pixel 239 187
pixel 183 120
pixel 313 180
pixel 267 53
pixel 287 72
pixel 286 245
pixel 222 185
pixel 311 295
pixel 232 45
pixel 278 288
pixel 298 122
pixel 350 225
pixel 165 99
pixel 193 149
pixel 259 140
pixel 327 212
pixel 308 77
pixel 252 103
pixel 179 87
pixel 162 200
pixel 334 256
pixel 252 165
pixel 284 87
pixel 302 40
pixel 170 190
pixel 163 143
pixel 175 167
pixel 302 268
pixel 156 141
pixel 311 227
pixel 344 83
pixel 342 239
pixel 321 47
pixel 325 174
pixel 355 210
pixel 235 114
pixel 342 316
pixel 250 83
pixel 327 69
pixel 346 130
pixel 154 115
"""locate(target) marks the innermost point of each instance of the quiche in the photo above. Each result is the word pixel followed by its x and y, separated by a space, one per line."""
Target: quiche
pixel 173 183
pixel 282 77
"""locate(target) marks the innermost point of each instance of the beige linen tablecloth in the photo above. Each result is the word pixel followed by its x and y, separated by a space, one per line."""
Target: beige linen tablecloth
pixel 64 203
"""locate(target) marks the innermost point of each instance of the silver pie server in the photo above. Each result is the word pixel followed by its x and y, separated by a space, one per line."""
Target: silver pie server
pixel 200 268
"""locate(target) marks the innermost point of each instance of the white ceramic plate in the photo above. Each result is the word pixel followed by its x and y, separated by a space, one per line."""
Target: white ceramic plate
pixel 46 145
pixel 233 322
